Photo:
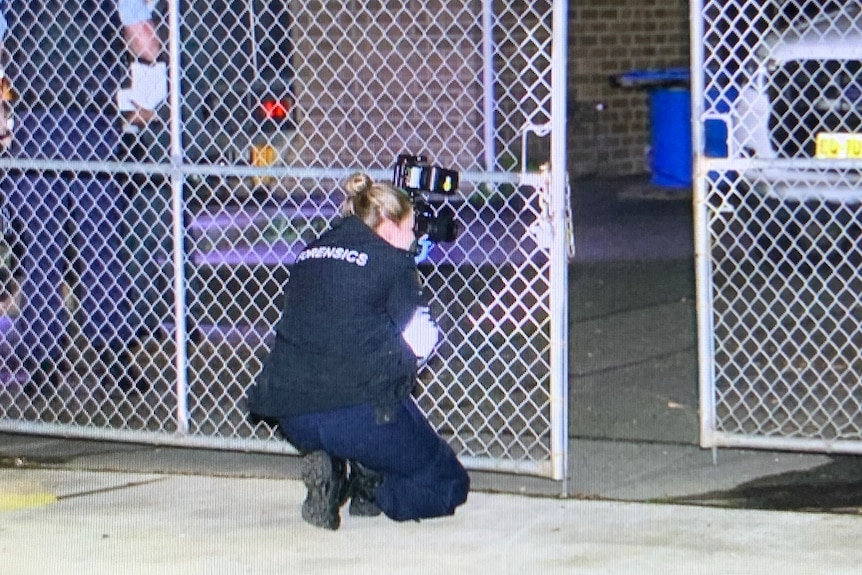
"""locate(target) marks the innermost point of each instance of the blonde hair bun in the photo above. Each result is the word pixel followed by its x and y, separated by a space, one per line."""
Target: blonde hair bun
pixel 373 202
pixel 358 184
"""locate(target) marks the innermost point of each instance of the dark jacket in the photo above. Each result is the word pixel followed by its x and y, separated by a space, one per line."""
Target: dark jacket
pixel 65 56
pixel 338 342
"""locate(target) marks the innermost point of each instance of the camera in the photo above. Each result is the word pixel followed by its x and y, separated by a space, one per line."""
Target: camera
pixel 417 178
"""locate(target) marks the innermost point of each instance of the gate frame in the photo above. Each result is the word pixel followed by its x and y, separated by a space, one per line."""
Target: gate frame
pixel 554 183
pixel 710 435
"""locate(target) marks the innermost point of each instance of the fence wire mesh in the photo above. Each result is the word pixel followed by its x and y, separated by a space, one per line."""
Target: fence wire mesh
pixel 112 234
pixel 781 144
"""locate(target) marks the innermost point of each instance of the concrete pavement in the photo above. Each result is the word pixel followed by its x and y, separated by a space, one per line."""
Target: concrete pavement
pixel 110 523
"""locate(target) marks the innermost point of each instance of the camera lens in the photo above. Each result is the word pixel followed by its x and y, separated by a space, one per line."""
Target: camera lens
pixel 439 227
pixel 443 227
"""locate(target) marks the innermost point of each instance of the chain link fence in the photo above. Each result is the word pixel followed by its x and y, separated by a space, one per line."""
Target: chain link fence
pixel 111 236
pixel 779 97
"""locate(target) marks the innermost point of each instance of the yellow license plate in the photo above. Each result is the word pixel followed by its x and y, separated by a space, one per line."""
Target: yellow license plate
pixel 838 146
pixel 262 156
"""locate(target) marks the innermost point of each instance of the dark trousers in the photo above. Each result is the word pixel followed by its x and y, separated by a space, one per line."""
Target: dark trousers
pixel 422 477
pixel 149 232
pixel 69 224
pixel 151 266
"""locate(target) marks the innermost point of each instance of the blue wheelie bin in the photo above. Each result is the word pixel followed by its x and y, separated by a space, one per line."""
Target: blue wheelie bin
pixel 670 157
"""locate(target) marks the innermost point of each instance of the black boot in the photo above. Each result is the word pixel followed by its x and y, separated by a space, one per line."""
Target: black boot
pixel 326 480
pixel 363 485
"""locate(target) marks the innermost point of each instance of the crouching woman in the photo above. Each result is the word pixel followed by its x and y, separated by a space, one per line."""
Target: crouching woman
pixel 340 372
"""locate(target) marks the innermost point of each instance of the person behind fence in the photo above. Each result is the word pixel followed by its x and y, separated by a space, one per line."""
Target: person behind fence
pixel 145 139
pixel 340 372
pixel 72 223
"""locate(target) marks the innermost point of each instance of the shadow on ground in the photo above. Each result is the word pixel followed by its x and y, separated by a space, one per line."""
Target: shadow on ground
pixel 835 487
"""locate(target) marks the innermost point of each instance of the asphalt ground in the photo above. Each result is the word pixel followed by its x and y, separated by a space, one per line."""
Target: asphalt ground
pixel 633 369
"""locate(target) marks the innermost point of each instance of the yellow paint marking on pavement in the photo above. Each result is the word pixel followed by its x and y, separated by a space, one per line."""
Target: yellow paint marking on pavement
pixel 24 494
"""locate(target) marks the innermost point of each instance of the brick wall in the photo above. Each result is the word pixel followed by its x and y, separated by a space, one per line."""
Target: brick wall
pixel 608 37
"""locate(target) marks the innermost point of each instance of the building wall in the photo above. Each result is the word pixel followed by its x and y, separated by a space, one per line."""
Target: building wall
pixel 608 125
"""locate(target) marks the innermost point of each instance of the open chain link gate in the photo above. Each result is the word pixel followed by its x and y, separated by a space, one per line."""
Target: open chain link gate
pixel 113 236
pixel 777 101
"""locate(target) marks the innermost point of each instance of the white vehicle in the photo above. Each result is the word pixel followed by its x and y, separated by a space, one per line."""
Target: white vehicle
pixel 803 103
